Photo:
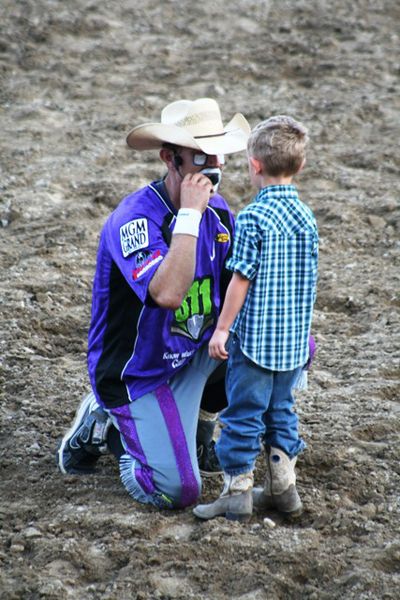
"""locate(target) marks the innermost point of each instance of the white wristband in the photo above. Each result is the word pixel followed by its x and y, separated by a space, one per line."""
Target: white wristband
pixel 188 221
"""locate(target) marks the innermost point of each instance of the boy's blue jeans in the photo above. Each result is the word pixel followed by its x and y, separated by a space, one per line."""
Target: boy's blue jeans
pixel 260 408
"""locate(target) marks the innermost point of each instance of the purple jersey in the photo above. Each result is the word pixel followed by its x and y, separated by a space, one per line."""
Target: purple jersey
pixel 134 345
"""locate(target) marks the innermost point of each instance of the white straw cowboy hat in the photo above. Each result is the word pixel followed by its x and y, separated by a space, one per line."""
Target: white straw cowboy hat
pixel 193 124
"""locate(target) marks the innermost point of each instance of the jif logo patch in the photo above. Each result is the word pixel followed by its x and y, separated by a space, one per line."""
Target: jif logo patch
pixel 134 236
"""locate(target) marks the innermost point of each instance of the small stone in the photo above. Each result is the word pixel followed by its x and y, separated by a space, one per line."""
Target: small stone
pixel 215 90
pixel 16 548
pixel 269 523
pixel 34 447
pixel 368 510
pixel 376 222
pixel 32 532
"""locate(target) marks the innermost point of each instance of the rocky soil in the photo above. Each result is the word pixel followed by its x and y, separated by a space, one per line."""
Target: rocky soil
pixel 74 77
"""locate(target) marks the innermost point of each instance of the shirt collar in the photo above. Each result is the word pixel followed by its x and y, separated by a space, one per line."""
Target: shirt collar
pixel 161 188
pixel 274 189
pixel 277 192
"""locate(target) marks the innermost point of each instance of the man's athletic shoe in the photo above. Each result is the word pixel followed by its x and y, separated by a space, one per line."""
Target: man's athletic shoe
pixel 85 441
pixel 208 461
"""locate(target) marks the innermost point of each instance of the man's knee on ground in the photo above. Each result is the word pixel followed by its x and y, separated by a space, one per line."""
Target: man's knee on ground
pixel 165 491
pixel 184 494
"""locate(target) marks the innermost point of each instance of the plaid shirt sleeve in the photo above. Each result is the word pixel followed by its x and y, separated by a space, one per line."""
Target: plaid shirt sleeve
pixel 315 254
pixel 246 247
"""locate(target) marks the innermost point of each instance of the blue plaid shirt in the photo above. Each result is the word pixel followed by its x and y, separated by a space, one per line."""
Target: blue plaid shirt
pixel 276 247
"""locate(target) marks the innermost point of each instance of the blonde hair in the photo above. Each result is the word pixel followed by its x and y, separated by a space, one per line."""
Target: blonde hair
pixel 279 143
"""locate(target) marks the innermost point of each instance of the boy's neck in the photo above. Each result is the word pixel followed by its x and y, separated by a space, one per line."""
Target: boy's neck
pixel 267 180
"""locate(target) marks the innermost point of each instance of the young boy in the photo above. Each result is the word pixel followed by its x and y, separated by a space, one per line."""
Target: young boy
pixel 269 302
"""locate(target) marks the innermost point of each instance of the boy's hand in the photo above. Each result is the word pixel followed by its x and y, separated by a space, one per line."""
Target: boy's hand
pixel 216 346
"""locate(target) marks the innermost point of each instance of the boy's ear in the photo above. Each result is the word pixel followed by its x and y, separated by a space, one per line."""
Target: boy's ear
pixel 257 165
pixel 303 164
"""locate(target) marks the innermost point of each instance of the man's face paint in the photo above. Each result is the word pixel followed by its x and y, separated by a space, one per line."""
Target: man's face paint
pixel 215 176
pixel 200 159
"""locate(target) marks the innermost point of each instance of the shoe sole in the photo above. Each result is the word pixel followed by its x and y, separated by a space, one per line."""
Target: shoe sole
pixel 266 503
pixel 293 514
pixel 71 431
pixel 229 516
pixel 241 518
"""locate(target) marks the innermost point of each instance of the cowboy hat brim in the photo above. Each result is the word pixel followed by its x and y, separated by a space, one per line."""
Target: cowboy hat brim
pixel 151 136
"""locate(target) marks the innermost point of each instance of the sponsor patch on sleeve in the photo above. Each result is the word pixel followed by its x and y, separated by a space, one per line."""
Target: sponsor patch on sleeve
pixel 134 235
pixel 146 264
pixel 222 238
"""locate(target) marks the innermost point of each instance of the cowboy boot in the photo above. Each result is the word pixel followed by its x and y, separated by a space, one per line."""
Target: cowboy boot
pixel 235 501
pixel 279 491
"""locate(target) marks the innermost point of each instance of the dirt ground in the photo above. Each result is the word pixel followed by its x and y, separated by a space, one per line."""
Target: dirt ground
pixel 75 76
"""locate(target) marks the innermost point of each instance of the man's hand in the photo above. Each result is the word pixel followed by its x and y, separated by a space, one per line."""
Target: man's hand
pixel 196 189
pixel 175 274
pixel 216 346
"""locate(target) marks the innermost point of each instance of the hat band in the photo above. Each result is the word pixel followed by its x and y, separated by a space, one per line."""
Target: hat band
pixel 200 137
